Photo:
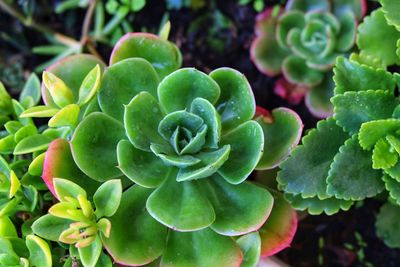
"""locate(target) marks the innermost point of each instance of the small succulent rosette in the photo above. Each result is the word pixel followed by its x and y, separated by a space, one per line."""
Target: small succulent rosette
pixel 353 155
pixel 301 42
pixel 188 141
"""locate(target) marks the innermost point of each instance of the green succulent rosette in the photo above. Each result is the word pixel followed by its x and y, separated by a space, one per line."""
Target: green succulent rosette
pixel 353 155
pixel 302 43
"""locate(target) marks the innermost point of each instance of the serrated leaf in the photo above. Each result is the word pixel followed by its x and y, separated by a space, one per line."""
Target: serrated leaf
pixel 306 170
pixel 372 131
pixel 352 109
pixel 382 156
pixel 391 9
pixel 355 181
pixel 393 186
pixel 387 225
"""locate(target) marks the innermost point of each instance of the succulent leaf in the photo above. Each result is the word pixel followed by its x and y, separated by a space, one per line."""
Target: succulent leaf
pixel 250 245
pixel 387 225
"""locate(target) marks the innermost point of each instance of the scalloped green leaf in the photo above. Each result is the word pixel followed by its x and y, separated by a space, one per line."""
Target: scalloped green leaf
pixel 370 33
pixel 239 209
pixel 316 206
pixel 181 206
pixel 352 76
pixel 123 81
pixel 393 187
pixel 296 71
pixel 143 130
pixel 162 54
pixel 128 245
pixel 306 170
pixel 94 146
pixel 236 103
pixel 247 143
pixel 355 181
pixel 278 231
pixel 250 244
pixel 387 225
pixel 372 131
pixel 382 156
pixel 178 90
pixel 143 168
pixel 207 249
pixel 282 132
pixel 391 9
pixel 352 109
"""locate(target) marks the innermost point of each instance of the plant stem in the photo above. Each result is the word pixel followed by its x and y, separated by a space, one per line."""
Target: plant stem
pixel 87 21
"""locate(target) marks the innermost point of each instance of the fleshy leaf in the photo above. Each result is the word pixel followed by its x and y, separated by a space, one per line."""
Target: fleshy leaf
pixel 296 71
pixel 278 231
pixel 107 198
pixel 181 206
pixel 66 189
pixel 182 161
pixel 326 138
pixel 94 146
pixel 39 112
pixel 282 132
pixel 387 225
pixel 347 35
pixel 382 156
pixel 50 227
pixel 192 84
pixel 239 209
pixel 355 181
pixel 30 94
pixel 309 5
pixel 143 130
pixel 127 245
pixel 163 55
pixel 352 109
pixel 318 97
pixel 90 85
pixel 207 249
pixel 250 245
pixel 123 81
pixel 59 91
pixel 352 76
pixel 89 255
pixel 393 187
pixel 316 206
pixel 40 254
pixel 247 142
pixel 288 21
pixel 391 9
pixel 32 143
pixel 236 103
pixel 372 131
pixel 67 116
pixel 143 168
pixel 372 31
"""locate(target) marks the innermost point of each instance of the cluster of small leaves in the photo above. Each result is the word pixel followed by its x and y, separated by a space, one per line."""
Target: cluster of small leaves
pixel 302 42
pixel 354 154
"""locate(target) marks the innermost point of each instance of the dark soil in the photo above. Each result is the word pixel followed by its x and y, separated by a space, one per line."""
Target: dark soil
pixel 345 239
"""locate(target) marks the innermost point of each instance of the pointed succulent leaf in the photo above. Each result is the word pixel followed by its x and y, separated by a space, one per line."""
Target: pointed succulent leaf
pixel 58 162
pixel 7 144
pixel 296 71
pixel 25 131
pixel 205 110
pixel 316 206
pixel 59 91
pixel 7 228
pixel 90 85
pixel 210 163
pixel 89 255
pixel 5 100
pixel 39 112
pixel 188 208
pixel 72 70
pixel 165 154
pixel 18 110
pixel 13 126
pixel 352 76
pixel 40 254
pixel 192 84
pixel 94 146
pixel 32 143
pixel 352 109
pixel 282 131
pixel 209 249
pixel 371 132
pixel 128 246
pixel 143 168
pixel 143 130
pixel 387 225
pixel 326 138
pixel 250 244
pixel 123 81
pixel 239 209
pixel 393 187
pixel 67 116
pixel 104 226
pixel 30 94
pixel 65 188
pixel 50 227
pixel 163 55
pixel 355 181
pixel 15 184
pixel 247 142
pixel 180 118
pixel 107 198
pixel 370 33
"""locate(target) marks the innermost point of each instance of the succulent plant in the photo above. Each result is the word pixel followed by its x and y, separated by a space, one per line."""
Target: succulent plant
pixel 353 155
pixel 302 42
pixel 187 139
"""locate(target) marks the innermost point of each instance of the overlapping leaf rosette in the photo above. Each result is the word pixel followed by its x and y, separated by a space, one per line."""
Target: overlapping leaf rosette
pixel 353 155
pixel 188 142
pixel 301 42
